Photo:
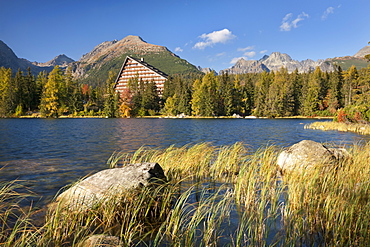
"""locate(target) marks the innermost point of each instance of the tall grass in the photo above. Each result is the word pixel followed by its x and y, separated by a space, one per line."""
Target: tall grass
pixel 363 129
pixel 216 196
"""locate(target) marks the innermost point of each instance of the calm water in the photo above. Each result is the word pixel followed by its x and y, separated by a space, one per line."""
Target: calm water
pixel 47 154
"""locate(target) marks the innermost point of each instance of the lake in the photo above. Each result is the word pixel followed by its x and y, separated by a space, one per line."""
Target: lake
pixel 47 154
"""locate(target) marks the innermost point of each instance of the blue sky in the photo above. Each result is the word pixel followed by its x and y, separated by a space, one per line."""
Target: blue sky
pixel 206 33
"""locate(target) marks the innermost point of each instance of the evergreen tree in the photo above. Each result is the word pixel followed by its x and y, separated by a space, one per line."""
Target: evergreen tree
pixel 295 93
pixel 18 93
pixel 150 99
pixel 275 94
pixel 30 91
pixel 41 81
pixel 226 89
pixel 312 99
pixel 350 83
pixel 73 94
pixel 111 97
pixel 197 98
pixel 244 95
pixel 262 90
pixel 183 95
pixel 335 86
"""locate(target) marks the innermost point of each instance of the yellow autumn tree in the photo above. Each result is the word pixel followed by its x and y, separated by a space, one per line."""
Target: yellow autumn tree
pixel 5 85
pixel 50 95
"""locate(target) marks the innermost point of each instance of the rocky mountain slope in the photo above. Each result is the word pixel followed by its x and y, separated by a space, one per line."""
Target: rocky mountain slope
pixel 94 66
pixel 274 62
pixel 8 59
pixel 364 51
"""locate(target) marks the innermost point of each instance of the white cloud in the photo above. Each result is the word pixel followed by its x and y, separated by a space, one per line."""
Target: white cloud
pixel 246 48
pixel 250 53
pixel 327 12
pixel 178 49
pixel 287 23
pixel 262 52
pixel 236 59
pixel 215 37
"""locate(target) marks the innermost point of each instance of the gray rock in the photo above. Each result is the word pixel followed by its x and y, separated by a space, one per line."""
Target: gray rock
pixel 309 154
pixel 100 241
pixel 110 182
pixel 364 51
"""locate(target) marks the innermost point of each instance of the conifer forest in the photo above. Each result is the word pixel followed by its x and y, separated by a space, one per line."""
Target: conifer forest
pixel 268 94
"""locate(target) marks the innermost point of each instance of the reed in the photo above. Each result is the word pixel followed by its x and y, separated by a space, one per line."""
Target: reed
pixel 363 129
pixel 331 206
pixel 215 196
pixel 15 221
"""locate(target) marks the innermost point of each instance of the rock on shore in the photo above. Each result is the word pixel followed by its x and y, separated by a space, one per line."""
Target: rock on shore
pixel 101 186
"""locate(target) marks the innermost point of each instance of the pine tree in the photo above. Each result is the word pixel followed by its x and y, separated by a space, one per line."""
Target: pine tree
pixel 244 95
pixel 335 87
pixel 295 92
pixel 262 90
pixel 30 91
pixel 350 83
pixel 312 99
pixel 197 98
pixel 150 98
pixel 18 93
pixel 111 97
pixel 226 89
pixel 41 81
pixel 73 94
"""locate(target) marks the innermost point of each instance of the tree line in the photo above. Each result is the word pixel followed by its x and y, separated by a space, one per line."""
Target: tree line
pixel 54 94
pixel 267 94
pixel 273 94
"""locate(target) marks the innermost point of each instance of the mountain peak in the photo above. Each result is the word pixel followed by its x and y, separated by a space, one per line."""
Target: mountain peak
pixel 8 59
pixel 133 38
pixel 364 51
pixel 277 57
pixel 62 60
pixel 109 49
pixel 275 62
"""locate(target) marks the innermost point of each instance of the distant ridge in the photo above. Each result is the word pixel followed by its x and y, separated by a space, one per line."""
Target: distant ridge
pixel 93 67
pixel 60 60
pixel 274 62
pixel 8 59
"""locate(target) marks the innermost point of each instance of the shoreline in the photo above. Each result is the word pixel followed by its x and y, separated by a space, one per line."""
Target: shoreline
pixel 179 117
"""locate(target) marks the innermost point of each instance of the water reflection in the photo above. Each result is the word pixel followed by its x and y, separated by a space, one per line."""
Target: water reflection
pixel 51 153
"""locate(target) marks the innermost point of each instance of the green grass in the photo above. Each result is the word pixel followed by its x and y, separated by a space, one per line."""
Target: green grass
pixel 346 63
pixel 164 61
pixel 216 196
